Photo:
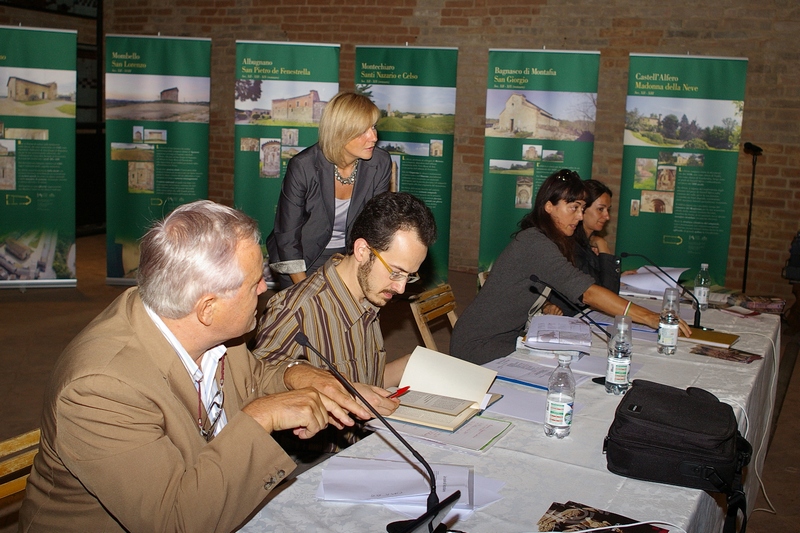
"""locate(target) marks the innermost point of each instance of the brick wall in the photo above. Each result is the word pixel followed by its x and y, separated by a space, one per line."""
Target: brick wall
pixel 766 33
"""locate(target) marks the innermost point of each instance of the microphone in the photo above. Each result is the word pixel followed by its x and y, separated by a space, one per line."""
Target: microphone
pixel 752 149
pixel 433 498
pixel 697 311
pixel 580 312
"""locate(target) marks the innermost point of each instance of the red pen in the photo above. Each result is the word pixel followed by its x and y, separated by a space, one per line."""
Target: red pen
pixel 399 392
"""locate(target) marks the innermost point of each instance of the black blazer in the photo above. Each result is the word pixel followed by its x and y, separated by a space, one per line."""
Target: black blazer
pixel 306 208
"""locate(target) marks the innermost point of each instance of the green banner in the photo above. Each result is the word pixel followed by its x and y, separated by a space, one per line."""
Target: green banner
pixel 682 132
pixel 541 108
pixel 37 157
pixel 158 93
pixel 280 92
pixel 415 89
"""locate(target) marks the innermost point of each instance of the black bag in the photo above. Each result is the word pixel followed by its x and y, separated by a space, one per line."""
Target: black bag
pixel 679 437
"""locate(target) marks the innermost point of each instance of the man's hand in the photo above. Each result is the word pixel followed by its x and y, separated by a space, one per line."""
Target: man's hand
pixel 302 376
pixel 378 398
pixel 304 411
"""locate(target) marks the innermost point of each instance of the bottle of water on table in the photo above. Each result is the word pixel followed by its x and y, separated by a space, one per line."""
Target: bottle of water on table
pixel 560 399
pixel 618 369
pixel 668 323
pixel 702 284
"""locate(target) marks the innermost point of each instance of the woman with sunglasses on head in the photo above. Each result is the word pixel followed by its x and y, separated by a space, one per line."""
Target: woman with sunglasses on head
pixel 326 186
pixel 592 253
pixel 544 246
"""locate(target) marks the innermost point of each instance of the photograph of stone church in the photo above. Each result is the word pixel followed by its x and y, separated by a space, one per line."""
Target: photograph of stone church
pixel 562 116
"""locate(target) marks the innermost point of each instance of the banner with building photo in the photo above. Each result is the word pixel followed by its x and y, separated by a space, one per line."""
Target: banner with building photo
pixel 37 157
pixel 158 93
pixel 280 91
pixel 541 107
pixel 683 121
pixel 415 89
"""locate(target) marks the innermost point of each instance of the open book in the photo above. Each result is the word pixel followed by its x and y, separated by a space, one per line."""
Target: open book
pixel 445 391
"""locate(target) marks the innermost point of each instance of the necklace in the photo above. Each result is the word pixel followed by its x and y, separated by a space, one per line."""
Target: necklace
pixel 346 181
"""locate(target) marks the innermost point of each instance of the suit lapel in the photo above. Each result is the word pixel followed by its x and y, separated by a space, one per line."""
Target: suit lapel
pixel 164 357
pixel 325 174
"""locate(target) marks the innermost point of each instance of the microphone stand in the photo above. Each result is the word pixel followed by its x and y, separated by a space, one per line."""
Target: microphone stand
pixel 580 313
pixel 433 498
pixel 750 149
pixel 697 312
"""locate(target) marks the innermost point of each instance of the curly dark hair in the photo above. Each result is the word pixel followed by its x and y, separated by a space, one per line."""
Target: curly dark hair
pixel 563 185
pixel 386 214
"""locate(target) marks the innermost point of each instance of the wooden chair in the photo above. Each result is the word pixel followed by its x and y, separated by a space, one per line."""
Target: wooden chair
pixel 16 458
pixel 429 306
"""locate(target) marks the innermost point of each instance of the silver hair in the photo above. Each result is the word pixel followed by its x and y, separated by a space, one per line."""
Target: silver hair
pixel 191 253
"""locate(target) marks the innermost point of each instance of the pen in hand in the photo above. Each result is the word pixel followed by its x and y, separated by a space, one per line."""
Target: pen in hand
pixel 399 392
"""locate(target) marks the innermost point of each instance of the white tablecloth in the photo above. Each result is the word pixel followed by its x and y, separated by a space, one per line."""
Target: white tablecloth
pixel 538 470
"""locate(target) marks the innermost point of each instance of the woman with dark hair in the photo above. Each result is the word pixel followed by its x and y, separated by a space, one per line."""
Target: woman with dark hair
pixel 326 186
pixel 592 253
pixel 488 328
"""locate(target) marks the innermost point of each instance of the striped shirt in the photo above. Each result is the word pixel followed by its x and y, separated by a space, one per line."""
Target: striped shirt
pixel 321 306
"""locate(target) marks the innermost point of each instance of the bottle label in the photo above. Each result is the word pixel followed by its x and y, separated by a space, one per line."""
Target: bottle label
pixel 668 334
pixel 559 413
pixel 617 371
pixel 701 293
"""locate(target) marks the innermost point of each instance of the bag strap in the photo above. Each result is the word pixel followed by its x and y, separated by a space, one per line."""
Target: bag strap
pixel 737 501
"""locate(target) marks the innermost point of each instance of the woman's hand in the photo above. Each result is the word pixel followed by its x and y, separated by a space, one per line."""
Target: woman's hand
pixel 599 245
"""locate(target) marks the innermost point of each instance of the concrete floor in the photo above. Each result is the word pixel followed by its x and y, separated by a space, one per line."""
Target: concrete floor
pixel 35 325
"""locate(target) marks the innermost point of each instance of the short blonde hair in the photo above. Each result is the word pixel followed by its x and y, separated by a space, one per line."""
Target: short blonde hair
pixel 346 116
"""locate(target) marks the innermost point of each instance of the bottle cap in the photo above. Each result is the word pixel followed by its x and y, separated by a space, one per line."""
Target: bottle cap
pixel 703 265
pixel 564 358
pixel 672 294
pixel 622 325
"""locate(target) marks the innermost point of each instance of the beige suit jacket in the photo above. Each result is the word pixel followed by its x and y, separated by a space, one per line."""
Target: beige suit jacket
pixel 121 449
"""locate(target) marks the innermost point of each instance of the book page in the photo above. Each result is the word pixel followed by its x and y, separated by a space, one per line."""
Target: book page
pixel 434 402
pixel 437 373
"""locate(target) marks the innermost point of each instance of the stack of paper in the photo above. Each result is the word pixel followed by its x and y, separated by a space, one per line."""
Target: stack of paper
pixel 400 485
pixel 649 282
pixel 477 435
pixel 558 333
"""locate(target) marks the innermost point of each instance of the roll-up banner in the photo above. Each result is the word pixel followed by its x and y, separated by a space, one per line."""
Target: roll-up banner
pixel 280 92
pixel 683 122
pixel 37 157
pixel 541 107
pixel 415 89
pixel 158 91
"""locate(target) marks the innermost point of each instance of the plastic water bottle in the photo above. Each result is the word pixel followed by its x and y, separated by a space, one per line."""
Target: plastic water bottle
pixel 618 370
pixel 560 399
pixel 702 283
pixel 668 324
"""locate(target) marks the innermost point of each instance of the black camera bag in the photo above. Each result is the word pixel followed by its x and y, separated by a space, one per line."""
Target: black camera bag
pixel 680 437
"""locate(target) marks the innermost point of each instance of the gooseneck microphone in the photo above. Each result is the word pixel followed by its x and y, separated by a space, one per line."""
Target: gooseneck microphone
pixel 580 312
pixel 697 312
pixel 433 498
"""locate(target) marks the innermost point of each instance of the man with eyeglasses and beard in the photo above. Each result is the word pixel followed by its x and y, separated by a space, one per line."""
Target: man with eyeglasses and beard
pixel 337 308
pixel 156 416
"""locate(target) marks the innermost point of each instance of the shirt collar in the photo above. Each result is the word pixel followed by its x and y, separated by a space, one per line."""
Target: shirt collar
pixel 209 361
